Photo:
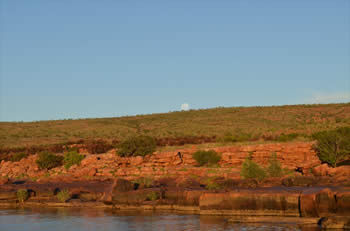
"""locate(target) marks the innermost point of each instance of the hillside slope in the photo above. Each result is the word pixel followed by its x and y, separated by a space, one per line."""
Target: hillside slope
pixel 247 121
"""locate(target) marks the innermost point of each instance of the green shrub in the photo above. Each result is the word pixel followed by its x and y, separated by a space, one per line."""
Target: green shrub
pixel 22 195
pixel 48 160
pixel 71 158
pixel 63 195
pixel 212 185
pixel 152 196
pixel 333 146
pixel 18 156
pixel 206 158
pixel 251 170
pixel 274 169
pixel 137 146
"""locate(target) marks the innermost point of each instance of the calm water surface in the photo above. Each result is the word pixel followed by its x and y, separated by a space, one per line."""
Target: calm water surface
pixel 106 220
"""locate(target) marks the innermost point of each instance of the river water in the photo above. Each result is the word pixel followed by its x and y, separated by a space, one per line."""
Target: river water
pixel 64 219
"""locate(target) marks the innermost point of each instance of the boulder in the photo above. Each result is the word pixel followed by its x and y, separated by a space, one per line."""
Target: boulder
pixel 317 202
pixel 4 180
pixel 321 170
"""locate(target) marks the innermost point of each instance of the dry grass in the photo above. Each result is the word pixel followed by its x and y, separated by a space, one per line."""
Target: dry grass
pixel 257 121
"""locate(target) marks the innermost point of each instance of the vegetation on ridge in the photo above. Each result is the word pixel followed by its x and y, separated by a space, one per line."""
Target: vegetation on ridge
pixel 236 124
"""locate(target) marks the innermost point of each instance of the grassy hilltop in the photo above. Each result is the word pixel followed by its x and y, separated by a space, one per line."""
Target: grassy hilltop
pixel 230 124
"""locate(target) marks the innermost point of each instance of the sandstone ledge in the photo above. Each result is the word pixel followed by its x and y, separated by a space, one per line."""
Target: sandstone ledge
pixel 269 201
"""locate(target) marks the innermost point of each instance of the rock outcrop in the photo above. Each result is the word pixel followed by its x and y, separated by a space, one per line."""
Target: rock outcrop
pixel 298 157
pixel 122 194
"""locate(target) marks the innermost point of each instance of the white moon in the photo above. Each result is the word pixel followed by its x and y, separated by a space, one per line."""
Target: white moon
pixel 185 107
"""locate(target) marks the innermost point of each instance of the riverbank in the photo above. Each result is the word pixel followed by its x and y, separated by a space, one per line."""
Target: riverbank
pixel 304 205
pixel 294 201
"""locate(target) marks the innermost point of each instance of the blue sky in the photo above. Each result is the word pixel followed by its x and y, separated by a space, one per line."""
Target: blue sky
pixel 78 59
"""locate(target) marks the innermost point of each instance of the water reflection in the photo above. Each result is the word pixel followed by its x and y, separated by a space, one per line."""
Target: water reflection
pixel 56 219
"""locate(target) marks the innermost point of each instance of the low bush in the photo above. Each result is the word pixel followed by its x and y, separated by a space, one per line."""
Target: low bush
pixel 18 156
pixel 274 168
pixel 48 160
pixel 71 158
pixel 63 195
pixel 137 146
pixel 97 146
pixel 152 196
pixel 251 170
pixel 22 195
pixel 206 158
pixel 211 184
pixel 333 146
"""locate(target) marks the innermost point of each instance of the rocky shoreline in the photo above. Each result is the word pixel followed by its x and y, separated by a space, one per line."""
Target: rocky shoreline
pixel 164 182
pixel 317 201
pixel 310 204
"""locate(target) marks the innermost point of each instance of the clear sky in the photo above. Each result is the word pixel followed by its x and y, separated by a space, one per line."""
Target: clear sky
pixel 88 58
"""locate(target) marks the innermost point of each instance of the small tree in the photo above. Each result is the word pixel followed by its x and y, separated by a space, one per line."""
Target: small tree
pixel 48 160
pixel 333 146
pixel 71 158
pixel 251 170
pixel 274 169
pixel 63 195
pixel 22 195
pixel 137 146
pixel 207 158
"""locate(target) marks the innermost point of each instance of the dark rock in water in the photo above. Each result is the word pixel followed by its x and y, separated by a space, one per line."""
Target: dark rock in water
pixel 335 222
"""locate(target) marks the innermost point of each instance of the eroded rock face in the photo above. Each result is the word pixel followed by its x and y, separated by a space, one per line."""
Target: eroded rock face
pixel 182 197
pixel 343 202
pixel 318 202
pixel 295 155
pixel 123 185
pixel 273 201
pixel 270 202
